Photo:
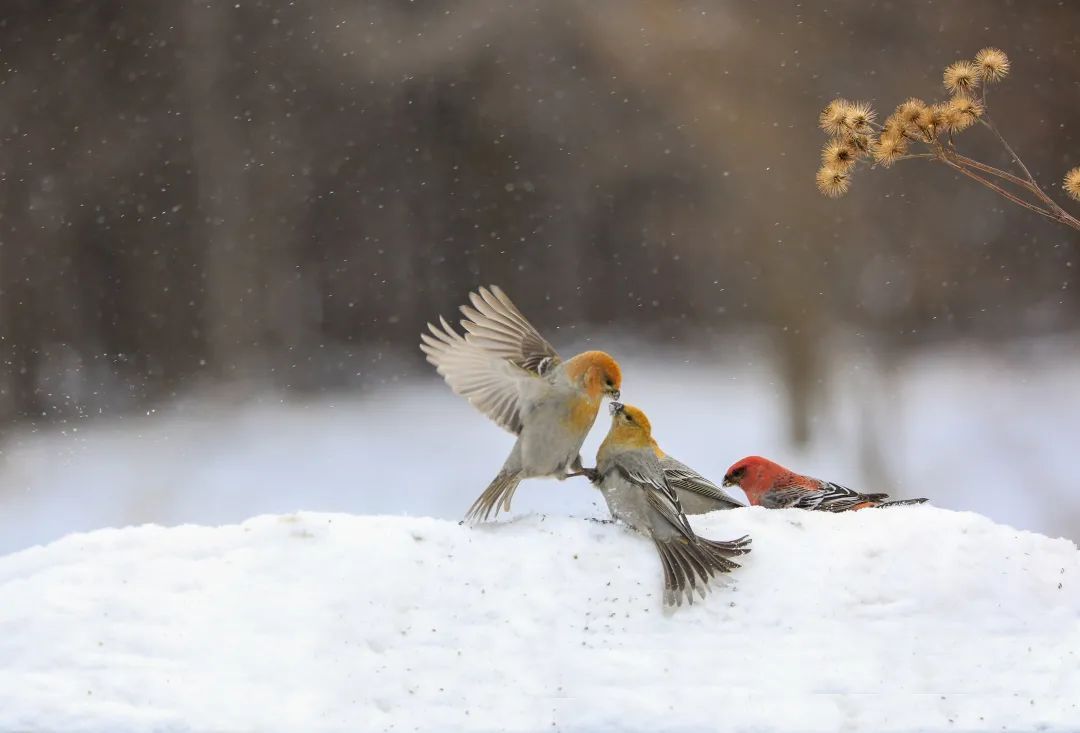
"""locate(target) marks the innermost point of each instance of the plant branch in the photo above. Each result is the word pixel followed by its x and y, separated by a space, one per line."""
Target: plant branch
pixel 1002 192
pixel 1060 214
pixel 988 124
pixel 963 159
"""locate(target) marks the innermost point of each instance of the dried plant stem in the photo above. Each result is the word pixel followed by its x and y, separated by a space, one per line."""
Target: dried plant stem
pixel 985 122
pixel 1010 196
pixel 1053 210
pixel 1005 175
pixel 1060 214
pixel 958 161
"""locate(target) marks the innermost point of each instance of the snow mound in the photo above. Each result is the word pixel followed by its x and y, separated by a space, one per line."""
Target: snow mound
pixel 906 619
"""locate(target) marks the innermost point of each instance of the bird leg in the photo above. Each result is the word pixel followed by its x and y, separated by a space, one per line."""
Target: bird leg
pixel 576 469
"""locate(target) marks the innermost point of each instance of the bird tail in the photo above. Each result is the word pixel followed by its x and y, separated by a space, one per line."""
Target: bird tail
pixel 496 497
pixel 733 548
pixel 901 502
pixel 689 565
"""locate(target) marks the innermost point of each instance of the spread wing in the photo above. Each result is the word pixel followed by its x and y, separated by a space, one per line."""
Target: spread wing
pixel 490 384
pixel 499 358
pixel 826 497
pixel 681 476
pixel 495 324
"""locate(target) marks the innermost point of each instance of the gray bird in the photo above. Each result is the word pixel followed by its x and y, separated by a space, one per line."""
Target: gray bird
pixel 637 491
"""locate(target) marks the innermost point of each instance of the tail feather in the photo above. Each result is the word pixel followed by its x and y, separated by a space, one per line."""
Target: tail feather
pixel 732 548
pixel 901 502
pixel 669 577
pixel 689 565
pixel 720 561
pixel 694 568
pixel 496 497
pixel 682 573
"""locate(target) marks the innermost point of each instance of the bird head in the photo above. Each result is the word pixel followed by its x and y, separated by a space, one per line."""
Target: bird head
pixel 629 427
pixel 597 373
pixel 753 473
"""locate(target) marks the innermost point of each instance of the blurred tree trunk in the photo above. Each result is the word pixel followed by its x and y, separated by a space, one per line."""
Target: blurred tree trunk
pixel 878 413
pixel 796 312
pixel 280 198
pixel 19 325
pixel 233 288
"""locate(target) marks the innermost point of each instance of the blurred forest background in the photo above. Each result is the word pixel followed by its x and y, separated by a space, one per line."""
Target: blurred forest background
pixel 281 194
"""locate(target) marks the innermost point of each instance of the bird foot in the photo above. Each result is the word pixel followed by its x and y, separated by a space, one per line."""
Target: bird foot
pixel 590 473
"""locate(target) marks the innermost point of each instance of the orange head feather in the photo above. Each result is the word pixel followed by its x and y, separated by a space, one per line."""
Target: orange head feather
pixel 629 429
pixel 597 373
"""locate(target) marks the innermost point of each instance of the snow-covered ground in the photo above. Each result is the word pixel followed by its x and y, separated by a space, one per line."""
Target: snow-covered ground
pixel 992 431
pixel 909 619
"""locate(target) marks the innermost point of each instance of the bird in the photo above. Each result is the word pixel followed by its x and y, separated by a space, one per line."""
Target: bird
pixel 638 493
pixel 770 485
pixel 509 372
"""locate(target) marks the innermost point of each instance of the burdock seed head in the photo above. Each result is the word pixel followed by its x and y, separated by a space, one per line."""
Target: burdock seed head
pixel 833 182
pixel 835 119
pixel 1071 184
pixel 962 76
pixel 994 64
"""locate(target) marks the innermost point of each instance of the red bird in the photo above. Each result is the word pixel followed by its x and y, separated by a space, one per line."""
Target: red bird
pixel 772 486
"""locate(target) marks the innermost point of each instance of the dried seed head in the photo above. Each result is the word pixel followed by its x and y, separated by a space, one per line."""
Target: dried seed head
pixel 835 118
pixel 860 142
pixel 1071 183
pixel 838 154
pixel 833 182
pixel 962 76
pixel 927 123
pixel 909 112
pixel 967 108
pixel 940 112
pixel 893 127
pixel 952 120
pixel 861 115
pixel 994 64
pixel 887 150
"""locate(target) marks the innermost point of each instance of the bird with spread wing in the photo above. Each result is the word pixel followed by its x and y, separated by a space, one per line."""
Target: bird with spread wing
pixel 509 372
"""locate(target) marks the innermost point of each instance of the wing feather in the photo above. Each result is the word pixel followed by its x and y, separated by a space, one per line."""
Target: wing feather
pixel 491 384
pixel 662 498
pixel 495 324
pixel 827 496
pixel 496 361
pixel 683 477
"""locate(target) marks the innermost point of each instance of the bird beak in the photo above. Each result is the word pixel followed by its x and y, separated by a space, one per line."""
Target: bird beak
pixel 728 481
pixel 615 408
pixel 614 394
